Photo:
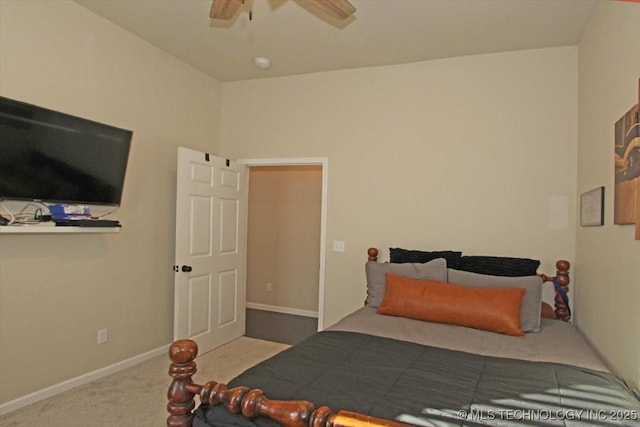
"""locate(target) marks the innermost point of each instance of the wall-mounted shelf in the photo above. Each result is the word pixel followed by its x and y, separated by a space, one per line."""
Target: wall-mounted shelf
pixel 40 229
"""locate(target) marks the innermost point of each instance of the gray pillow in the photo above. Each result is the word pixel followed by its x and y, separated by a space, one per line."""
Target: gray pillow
pixel 531 302
pixel 433 270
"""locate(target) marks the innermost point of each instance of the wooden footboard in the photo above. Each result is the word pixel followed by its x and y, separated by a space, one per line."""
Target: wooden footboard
pixel 248 402
pixel 252 403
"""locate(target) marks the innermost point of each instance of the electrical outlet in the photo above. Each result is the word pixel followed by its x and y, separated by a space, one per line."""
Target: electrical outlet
pixel 269 287
pixel 103 335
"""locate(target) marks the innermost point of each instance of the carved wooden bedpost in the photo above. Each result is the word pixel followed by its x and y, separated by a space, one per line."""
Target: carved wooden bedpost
pixel 562 277
pixel 181 403
pixel 373 254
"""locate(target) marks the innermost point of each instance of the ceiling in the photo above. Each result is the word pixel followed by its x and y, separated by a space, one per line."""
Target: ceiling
pixel 299 40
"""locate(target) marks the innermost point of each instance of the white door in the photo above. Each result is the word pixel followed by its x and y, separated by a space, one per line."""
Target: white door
pixel 210 274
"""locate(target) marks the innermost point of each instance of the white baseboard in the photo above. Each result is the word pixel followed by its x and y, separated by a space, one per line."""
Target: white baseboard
pixel 45 393
pixel 283 310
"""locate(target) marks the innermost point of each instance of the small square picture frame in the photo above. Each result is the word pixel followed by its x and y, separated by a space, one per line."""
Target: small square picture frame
pixel 592 207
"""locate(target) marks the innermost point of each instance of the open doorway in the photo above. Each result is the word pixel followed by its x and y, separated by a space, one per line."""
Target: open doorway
pixel 285 248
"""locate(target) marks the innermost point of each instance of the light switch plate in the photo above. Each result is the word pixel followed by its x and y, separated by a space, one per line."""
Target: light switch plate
pixel 338 245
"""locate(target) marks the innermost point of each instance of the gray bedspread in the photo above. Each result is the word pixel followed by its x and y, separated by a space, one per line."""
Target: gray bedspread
pixel 431 386
pixel 557 341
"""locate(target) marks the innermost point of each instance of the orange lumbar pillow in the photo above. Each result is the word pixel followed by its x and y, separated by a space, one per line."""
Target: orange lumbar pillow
pixel 490 309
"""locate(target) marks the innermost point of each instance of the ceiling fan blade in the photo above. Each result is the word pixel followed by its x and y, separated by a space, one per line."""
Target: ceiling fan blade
pixel 224 9
pixel 338 9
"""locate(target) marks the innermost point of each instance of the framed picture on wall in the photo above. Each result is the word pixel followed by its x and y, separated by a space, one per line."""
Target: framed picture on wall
pixel 627 165
pixel 592 207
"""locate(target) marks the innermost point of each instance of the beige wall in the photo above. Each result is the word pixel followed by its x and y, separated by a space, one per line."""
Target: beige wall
pixel 478 153
pixel 283 246
pixel 474 153
pixel 607 280
pixel 56 291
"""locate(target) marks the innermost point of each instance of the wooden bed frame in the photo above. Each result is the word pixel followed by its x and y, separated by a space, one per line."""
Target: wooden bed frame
pixel 290 413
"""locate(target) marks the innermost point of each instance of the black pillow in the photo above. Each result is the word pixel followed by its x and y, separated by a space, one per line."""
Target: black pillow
pixel 401 256
pixel 499 266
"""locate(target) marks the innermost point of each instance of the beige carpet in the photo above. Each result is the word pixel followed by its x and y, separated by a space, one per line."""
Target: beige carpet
pixel 137 396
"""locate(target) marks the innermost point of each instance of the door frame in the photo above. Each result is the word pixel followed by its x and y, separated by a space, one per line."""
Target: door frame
pixel 306 161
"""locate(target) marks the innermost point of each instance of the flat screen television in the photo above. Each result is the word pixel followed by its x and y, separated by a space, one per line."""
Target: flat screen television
pixel 54 157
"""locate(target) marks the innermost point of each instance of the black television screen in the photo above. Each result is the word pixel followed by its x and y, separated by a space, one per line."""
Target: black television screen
pixel 55 157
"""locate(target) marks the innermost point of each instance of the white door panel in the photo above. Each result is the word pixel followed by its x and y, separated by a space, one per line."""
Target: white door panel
pixel 210 249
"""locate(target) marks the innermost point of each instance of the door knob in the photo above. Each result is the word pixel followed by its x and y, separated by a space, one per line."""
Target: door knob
pixel 186 268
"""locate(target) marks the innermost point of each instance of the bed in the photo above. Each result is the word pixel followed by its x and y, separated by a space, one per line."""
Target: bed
pixel 497 356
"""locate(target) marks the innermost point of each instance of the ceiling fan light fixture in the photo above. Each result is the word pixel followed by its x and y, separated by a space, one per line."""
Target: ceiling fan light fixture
pixel 262 62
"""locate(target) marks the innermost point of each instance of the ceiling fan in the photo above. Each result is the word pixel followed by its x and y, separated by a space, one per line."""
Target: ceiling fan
pixel 338 9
